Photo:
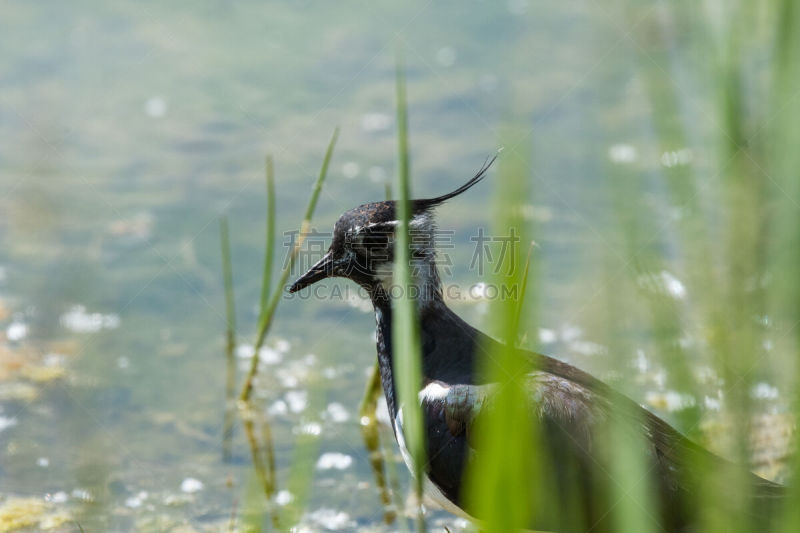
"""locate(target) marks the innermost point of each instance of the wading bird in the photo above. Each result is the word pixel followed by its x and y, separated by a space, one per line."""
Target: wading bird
pixel 573 408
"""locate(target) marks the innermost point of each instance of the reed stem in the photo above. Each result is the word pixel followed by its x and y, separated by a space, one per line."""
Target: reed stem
pixel 267 314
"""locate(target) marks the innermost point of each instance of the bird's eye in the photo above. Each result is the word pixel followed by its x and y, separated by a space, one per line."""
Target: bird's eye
pixel 372 239
pixel 374 244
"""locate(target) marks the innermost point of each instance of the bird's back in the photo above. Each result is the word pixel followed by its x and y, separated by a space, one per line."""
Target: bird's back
pixel 574 412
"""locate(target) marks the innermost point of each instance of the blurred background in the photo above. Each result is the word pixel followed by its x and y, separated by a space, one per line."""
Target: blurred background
pixel 662 165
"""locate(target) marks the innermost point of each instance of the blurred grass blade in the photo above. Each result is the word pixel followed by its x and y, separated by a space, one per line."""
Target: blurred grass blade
pixel 504 479
pixel 304 456
pixel 405 327
pixel 230 339
pixel 631 480
pixel 269 252
pixel 784 159
pixel 266 315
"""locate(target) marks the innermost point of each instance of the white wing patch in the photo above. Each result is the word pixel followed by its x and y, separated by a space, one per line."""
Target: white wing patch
pixel 433 391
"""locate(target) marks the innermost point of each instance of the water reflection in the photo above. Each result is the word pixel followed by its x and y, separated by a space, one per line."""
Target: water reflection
pixel 259 437
pixel 370 432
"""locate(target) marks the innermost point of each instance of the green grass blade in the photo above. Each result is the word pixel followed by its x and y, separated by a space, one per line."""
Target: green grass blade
pixel 503 479
pixel 304 456
pixel 405 326
pixel 784 160
pixel 266 315
pixel 269 252
pixel 370 434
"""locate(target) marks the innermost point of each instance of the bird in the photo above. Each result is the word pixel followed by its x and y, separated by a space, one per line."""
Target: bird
pixel 572 407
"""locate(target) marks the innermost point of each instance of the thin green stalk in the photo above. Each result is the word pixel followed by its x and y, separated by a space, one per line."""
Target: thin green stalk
pixel 370 434
pixel 267 315
pixel 405 327
pixel 230 339
pixel 269 252
pixel 369 402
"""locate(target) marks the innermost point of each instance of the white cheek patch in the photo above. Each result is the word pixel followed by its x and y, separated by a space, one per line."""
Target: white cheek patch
pixel 422 221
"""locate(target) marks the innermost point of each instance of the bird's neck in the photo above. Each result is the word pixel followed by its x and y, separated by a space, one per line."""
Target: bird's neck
pixel 447 345
pixel 383 342
pixel 425 286
pixel 426 290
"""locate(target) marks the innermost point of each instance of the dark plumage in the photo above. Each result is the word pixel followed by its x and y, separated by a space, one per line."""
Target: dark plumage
pixel 572 406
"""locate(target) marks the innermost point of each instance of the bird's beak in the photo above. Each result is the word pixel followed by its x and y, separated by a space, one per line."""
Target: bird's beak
pixel 321 270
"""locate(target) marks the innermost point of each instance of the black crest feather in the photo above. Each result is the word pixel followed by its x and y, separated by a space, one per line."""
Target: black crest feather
pixel 427 203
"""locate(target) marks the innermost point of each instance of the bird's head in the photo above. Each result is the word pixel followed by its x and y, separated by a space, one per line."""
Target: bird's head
pixel 362 248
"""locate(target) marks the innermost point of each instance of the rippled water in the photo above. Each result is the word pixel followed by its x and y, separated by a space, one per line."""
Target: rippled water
pixel 126 130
